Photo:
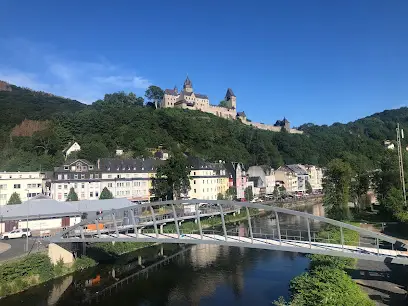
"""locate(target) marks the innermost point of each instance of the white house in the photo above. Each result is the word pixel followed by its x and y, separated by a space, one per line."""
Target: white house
pixel 26 184
pixel 72 147
pixel 266 175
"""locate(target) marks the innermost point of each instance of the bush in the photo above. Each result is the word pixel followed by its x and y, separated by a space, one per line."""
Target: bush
pixel 84 262
pixel 119 248
pixel 327 286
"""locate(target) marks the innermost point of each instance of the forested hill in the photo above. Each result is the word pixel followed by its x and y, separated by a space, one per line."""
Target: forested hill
pixel 121 121
pixel 17 104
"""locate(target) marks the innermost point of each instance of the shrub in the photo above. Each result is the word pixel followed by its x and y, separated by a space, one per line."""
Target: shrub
pixel 84 262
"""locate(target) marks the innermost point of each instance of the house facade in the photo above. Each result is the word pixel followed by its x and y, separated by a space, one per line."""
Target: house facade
pixel 237 178
pixel 72 147
pixel 26 184
pixel 315 176
pixel 294 178
pixel 207 180
pixel 266 175
pixel 79 174
pixel 129 178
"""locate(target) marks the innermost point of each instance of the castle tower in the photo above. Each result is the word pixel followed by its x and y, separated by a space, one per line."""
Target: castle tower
pixel 188 86
pixel 286 124
pixel 231 99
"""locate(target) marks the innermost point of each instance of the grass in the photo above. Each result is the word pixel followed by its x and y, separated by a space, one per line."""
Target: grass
pixel 21 274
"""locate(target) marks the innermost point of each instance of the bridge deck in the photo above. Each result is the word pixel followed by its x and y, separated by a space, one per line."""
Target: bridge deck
pixel 368 253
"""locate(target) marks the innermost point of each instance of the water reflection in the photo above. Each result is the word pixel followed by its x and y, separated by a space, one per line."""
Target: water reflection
pixel 170 275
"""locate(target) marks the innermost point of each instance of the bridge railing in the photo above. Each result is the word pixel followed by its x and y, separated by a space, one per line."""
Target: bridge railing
pixel 147 218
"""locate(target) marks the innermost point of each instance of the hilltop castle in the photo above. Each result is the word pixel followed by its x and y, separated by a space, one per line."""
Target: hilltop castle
pixel 188 99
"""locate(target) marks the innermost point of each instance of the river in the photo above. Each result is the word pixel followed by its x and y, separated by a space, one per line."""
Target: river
pixel 197 275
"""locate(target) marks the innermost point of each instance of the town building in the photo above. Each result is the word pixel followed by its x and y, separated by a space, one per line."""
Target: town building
pixel 73 146
pixel 315 177
pixel 294 178
pixel 388 144
pixel 129 178
pixel 263 178
pixel 207 180
pixel 237 178
pixel 26 184
pixel 79 174
pixel 188 99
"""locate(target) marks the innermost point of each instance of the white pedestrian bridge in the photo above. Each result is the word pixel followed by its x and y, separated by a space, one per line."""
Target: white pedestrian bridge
pixel 160 222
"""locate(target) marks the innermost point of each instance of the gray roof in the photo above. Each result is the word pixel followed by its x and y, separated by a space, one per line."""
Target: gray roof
pixel 138 165
pixel 200 96
pixel 40 208
pixel 171 92
pixel 229 93
pixel 297 169
pixel 70 162
pixel 241 114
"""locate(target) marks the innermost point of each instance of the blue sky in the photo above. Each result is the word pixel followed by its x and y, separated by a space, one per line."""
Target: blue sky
pixel 311 61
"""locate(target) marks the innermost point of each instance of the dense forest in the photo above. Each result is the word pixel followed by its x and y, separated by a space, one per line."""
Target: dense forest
pixel 124 121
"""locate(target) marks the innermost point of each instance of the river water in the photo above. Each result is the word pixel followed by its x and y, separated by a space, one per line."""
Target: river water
pixel 176 275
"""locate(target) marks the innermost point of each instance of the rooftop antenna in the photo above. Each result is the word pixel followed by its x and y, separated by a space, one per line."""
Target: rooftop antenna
pixel 400 134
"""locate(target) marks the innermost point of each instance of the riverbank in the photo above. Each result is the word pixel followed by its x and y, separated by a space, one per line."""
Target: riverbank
pixel 34 269
pixel 327 278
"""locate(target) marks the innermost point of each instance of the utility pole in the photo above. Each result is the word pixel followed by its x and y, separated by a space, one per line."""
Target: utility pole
pixel 400 134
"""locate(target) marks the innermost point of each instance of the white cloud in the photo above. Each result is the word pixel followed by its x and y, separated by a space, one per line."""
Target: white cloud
pixel 41 67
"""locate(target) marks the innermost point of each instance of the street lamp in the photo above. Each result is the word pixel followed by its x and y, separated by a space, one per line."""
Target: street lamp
pixel 28 213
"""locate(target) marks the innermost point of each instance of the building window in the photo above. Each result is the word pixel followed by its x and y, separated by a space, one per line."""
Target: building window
pixel 82 195
pixel 194 182
pixel 96 194
pixel 65 186
pixel 109 184
pixel 109 176
pixel 91 176
pixel 65 176
pixel 59 186
pixel 84 168
pixel 59 196
pixel 90 167
pixel 96 175
pixel 195 190
pixel 60 176
pixel 194 173
pixel 65 195
pixel 66 167
pixel 17 186
pixel 82 176
pixel 76 176
pixel 91 194
pixel 83 186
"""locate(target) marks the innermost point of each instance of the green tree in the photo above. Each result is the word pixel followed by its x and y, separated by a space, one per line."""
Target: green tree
pixel 220 196
pixel 93 151
pixel 249 195
pixel 336 187
pixel 223 103
pixel 154 94
pixel 172 179
pixel 72 195
pixel 275 192
pixel 106 194
pixel 309 188
pixel 14 199
pixel 231 193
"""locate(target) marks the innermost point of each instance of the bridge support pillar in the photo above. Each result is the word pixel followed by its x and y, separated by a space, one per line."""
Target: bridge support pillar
pixel 139 260
pixel 83 248
pixel 56 253
pixel 161 250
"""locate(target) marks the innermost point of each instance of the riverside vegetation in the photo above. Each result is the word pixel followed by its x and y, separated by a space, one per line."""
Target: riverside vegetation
pixel 326 282
pixel 34 269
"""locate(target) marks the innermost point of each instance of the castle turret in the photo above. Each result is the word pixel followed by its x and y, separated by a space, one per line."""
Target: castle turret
pixel 188 86
pixel 231 99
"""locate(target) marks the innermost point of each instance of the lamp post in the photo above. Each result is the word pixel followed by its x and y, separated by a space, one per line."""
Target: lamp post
pixel 28 213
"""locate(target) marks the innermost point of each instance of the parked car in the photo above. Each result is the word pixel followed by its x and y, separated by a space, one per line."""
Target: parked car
pixel 17 233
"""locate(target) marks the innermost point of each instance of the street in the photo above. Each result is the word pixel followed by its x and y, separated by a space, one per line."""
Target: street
pixel 17 248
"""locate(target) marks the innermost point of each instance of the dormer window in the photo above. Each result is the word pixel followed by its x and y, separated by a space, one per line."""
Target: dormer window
pixel 90 167
pixel 66 167
pixel 123 169
pixel 117 168
pixel 142 168
pixel 108 168
pixel 134 168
